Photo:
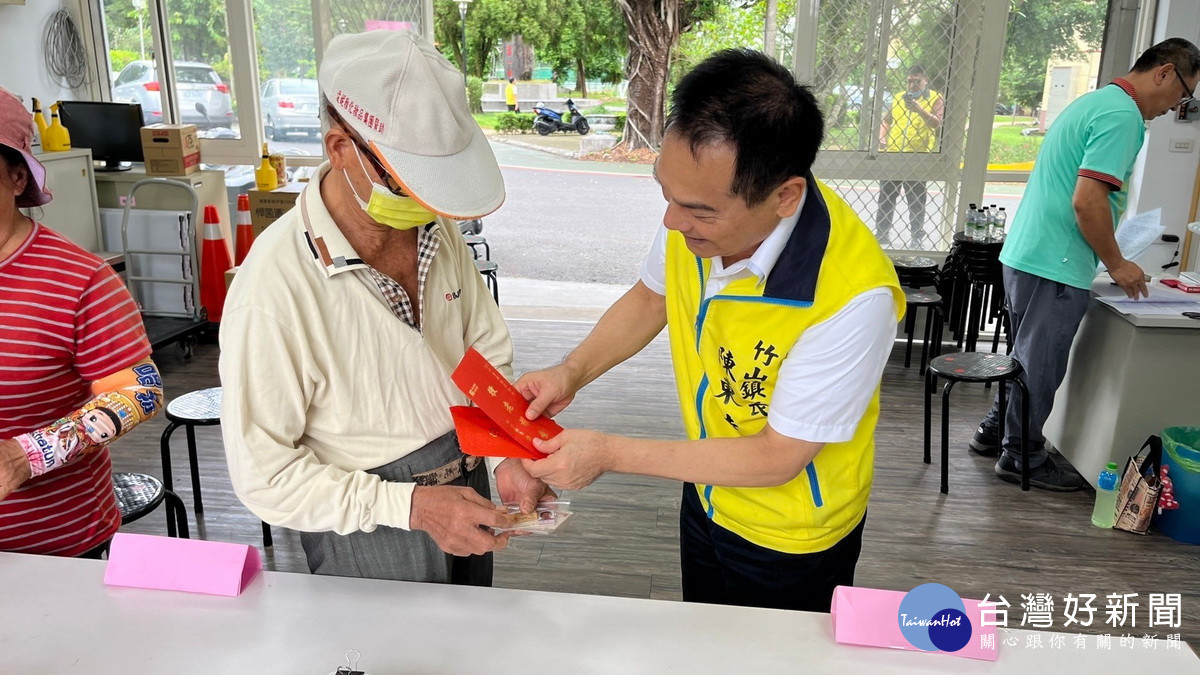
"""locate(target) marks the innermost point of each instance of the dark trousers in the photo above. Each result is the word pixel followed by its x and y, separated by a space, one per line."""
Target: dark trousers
pixel 1044 316
pixel 722 568
pixel 915 193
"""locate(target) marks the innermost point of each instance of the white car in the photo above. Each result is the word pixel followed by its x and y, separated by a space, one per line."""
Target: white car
pixel 290 106
pixel 197 83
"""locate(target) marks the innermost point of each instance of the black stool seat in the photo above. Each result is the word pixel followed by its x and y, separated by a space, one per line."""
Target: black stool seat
pixel 975 367
pixel 198 408
pixel 921 298
pixel 913 263
pixel 138 494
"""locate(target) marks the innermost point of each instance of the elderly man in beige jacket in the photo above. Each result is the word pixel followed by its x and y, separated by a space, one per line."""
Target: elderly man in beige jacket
pixel 343 325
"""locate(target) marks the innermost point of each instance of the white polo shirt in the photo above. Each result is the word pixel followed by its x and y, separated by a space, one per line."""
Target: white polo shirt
pixel 828 377
pixel 323 381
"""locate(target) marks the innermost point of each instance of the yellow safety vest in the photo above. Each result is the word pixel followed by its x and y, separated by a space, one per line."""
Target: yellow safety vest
pixel 727 351
pixel 909 131
pixel 510 94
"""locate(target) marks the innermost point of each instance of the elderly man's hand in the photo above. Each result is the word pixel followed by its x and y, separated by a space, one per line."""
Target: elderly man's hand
pixel 577 458
pixel 457 518
pixel 14 467
pixel 1130 277
pixel 516 485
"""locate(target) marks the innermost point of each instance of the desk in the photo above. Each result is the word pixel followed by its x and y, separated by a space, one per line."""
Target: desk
pixel 1128 377
pixel 68 621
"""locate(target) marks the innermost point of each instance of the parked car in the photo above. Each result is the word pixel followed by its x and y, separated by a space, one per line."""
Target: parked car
pixel 290 106
pixel 196 83
pixel 1002 109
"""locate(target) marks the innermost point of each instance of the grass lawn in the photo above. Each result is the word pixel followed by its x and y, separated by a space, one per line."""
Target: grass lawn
pixel 487 121
pixel 1010 147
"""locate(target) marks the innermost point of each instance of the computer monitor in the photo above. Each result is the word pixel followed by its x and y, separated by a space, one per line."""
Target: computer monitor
pixel 113 131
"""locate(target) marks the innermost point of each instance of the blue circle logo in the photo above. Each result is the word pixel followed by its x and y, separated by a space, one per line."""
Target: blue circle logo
pixel 933 618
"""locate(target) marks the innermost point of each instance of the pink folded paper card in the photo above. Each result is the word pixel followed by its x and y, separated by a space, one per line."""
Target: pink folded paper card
pixel 870 617
pixel 192 565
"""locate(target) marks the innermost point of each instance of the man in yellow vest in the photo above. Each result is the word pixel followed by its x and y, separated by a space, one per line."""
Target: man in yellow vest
pixel 910 125
pixel 510 95
pixel 781 310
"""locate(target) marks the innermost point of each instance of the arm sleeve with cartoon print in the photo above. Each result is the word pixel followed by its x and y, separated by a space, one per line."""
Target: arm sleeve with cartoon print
pixel 120 402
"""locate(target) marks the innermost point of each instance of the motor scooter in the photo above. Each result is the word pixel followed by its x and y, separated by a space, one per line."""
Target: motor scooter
pixel 549 121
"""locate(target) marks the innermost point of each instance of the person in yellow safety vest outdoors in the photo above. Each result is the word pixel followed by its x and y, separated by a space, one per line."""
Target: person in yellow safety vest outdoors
pixel 510 95
pixel 781 310
pixel 911 124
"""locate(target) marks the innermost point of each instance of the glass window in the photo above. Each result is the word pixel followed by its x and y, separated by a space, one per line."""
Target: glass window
pixel 298 87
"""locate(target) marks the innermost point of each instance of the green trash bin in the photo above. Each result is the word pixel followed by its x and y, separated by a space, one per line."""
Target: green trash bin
pixel 1178 512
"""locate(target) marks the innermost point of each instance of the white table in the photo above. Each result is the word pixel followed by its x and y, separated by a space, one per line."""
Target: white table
pixel 1129 376
pixel 57 616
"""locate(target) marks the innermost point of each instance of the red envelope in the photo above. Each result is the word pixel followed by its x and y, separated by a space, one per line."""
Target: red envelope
pixel 480 436
pixel 503 412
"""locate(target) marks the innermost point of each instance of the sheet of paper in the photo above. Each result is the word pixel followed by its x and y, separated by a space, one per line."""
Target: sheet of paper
pixel 495 396
pixel 1157 303
pixel 1136 233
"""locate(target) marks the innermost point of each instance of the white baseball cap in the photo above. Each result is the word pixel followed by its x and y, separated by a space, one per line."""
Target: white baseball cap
pixel 410 106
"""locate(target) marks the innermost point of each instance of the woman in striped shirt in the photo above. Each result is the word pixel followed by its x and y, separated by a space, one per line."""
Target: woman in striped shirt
pixel 75 369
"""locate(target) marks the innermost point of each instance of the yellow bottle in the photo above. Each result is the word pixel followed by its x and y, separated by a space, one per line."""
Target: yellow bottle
pixel 56 138
pixel 39 119
pixel 265 177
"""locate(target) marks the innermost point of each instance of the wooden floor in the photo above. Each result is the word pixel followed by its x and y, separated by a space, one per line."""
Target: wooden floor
pixel 986 536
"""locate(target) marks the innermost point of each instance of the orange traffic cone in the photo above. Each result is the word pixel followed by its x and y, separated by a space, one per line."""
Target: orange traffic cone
pixel 244 236
pixel 214 261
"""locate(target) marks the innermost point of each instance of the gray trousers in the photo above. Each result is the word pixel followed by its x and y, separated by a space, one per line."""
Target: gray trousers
pixel 1045 316
pixel 403 555
pixel 915 193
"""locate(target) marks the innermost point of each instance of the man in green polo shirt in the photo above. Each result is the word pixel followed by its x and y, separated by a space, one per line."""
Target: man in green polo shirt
pixel 1064 226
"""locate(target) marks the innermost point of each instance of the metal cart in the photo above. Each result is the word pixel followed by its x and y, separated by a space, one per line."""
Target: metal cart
pixel 166 326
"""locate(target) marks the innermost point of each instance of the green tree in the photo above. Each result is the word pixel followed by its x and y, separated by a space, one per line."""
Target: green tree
pixel 283 30
pixel 654 27
pixel 588 37
pixel 1039 30
pixel 488 23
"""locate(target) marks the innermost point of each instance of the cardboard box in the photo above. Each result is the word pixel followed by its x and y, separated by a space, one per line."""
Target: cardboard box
pixel 266 206
pixel 170 149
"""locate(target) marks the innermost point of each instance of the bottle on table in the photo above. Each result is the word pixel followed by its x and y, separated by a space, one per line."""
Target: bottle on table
pixel 265 177
pixel 998 228
pixel 969 226
pixel 1104 512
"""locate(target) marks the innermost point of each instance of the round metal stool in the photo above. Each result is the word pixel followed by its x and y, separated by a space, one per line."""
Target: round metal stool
pixel 488 269
pixel 932 302
pixel 974 367
pixel 200 408
pixel 915 271
pixel 476 242
pixel 138 494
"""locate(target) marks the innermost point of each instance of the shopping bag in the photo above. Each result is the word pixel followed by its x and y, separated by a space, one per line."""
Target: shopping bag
pixel 1178 512
pixel 1140 487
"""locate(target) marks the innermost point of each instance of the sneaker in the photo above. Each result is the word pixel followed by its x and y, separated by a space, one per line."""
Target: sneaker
pixel 985 442
pixel 1048 476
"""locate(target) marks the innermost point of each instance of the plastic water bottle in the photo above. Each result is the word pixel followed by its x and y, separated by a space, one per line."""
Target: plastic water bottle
pixel 998 231
pixel 1104 513
pixel 969 228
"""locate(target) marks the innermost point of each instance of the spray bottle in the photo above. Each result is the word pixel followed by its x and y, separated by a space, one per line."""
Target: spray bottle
pixel 56 137
pixel 39 119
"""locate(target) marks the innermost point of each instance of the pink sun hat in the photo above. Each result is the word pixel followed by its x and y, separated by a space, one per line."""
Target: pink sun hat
pixel 16 132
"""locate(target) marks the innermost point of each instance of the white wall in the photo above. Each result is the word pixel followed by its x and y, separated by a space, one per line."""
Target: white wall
pixel 1166 179
pixel 22 59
